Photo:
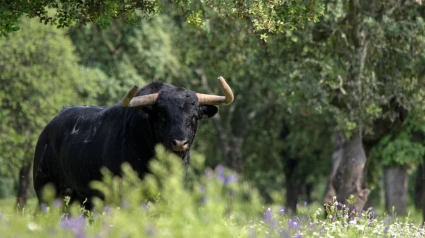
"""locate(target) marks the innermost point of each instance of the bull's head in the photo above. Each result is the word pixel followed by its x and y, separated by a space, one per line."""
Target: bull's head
pixel 176 113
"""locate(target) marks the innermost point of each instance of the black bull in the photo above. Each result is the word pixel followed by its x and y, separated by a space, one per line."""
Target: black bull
pixel 80 140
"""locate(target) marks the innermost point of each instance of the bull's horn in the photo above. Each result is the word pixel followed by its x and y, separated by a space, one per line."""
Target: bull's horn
pixel 210 99
pixel 130 101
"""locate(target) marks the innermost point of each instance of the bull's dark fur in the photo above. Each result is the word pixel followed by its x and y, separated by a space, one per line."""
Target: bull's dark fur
pixel 80 140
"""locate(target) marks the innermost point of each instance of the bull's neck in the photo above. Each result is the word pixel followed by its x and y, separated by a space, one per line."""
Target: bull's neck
pixel 139 135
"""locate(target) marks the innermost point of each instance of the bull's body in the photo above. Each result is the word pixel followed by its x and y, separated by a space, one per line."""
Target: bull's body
pixel 80 140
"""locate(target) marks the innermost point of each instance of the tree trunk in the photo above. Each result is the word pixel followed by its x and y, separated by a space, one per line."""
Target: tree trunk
pixel 420 190
pixel 231 141
pixel 349 176
pixel 292 193
pixel 308 191
pixel 233 154
pixel 339 140
pixel 395 182
pixel 23 186
pixel 420 179
pixel 292 184
pixel 231 145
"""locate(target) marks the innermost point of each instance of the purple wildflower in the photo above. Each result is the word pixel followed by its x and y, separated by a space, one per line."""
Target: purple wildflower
pixel 282 211
pixel 231 179
pixel 298 236
pixel 305 203
pixel 76 224
pixel 285 234
pixel 220 172
pixel 57 203
pixel 386 229
pixel 108 209
pixel 44 207
pixel 226 179
pixel 293 224
pixel 268 214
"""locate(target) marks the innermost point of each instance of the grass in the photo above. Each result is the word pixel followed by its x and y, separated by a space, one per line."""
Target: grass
pixel 7 205
pixel 201 203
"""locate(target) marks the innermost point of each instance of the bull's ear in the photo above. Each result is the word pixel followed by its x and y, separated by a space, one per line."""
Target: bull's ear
pixel 207 111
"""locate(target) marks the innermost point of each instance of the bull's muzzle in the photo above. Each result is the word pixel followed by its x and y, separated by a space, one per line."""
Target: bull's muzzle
pixel 179 145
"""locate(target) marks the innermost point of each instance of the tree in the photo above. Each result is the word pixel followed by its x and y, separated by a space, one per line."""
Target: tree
pixel 40 74
pixel 398 152
pixel 165 49
pixel 365 56
pixel 129 55
pixel 248 132
pixel 215 49
pixel 272 16
pixel 305 154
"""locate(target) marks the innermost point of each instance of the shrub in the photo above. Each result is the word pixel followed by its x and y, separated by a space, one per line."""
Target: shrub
pixel 175 201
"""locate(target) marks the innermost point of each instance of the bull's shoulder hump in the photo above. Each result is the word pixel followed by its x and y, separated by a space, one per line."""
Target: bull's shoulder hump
pixel 81 110
pixel 72 113
pixel 155 87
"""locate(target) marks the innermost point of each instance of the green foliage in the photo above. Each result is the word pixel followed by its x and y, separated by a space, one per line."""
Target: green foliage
pixel 40 74
pixel 359 58
pixel 129 55
pixel 171 190
pixel 402 151
pixel 265 16
pixel 65 13
pixel 270 16
pixel 214 205
pixel 346 223
pixel 315 75
pixel 311 161
pixel 6 187
pixel 404 147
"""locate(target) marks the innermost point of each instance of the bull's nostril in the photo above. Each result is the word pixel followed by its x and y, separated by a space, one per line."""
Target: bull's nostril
pixel 174 142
